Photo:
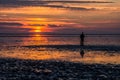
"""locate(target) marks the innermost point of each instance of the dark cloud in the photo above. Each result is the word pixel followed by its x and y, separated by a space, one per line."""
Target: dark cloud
pixel 16 29
pixel 89 28
pixel 13 29
pixel 77 1
pixel 6 27
pixel 10 24
pixel 69 7
pixel 23 3
pixel 36 25
pixel 80 8
pixel 20 3
pixel 54 26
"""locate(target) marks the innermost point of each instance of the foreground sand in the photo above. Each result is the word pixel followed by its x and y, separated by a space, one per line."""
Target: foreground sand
pixel 17 69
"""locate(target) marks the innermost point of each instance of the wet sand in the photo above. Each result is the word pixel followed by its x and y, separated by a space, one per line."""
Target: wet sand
pixel 75 47
pixel 19 69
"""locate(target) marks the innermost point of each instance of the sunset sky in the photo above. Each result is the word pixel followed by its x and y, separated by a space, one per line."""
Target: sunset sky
pixel 69 17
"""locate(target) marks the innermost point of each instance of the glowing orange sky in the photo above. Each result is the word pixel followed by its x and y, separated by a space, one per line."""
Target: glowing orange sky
pixel 50 19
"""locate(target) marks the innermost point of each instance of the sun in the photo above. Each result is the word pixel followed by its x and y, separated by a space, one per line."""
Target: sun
pixel 37 29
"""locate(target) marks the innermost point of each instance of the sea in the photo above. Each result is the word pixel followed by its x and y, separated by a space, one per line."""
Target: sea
pixel 98 48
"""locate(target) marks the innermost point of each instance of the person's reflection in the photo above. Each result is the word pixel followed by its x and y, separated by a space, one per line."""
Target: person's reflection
pixel 82 53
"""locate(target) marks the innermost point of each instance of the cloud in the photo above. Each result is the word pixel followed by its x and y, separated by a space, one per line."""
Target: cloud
pixel 6 27
pixel 36 25
pixel 81 8
pixel 95 28
pixel 10 24
pixel 42 3
pixel 68 7
pixel 13 30
pixel 54 26
pixel 78 1
pixel 22 3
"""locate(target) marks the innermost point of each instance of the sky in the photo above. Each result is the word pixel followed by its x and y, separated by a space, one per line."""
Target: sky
pixel 68 17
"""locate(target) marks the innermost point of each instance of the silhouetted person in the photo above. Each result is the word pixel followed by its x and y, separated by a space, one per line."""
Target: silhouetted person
pixel 82 36
pixel 82 53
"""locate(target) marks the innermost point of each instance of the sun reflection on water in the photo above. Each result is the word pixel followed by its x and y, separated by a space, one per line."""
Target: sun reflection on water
pixel 35 39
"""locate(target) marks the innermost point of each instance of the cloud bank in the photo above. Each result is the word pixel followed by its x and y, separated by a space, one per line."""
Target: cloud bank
pixel 41 3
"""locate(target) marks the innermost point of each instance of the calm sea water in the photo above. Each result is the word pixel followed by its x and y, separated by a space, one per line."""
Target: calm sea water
pixel 22 40
pixel 13 47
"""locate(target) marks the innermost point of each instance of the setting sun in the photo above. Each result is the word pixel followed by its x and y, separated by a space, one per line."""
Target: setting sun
pixel 37 29
pixel 35 25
